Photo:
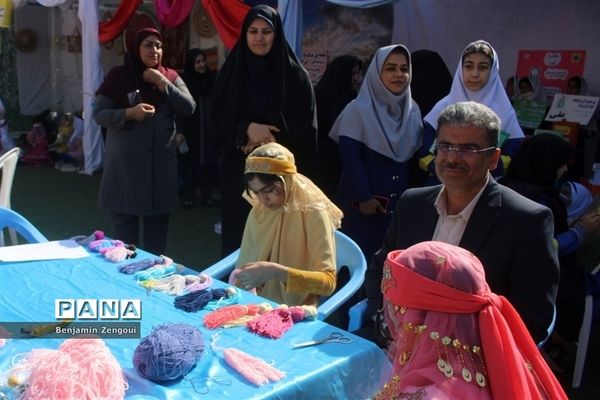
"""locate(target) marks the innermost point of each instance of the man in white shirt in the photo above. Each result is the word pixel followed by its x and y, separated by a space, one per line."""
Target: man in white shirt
pixel 510 234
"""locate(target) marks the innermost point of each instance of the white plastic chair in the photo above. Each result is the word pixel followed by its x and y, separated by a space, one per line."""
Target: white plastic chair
pixel 347 254
pixel 8 165
pixel 13 220
pixel 584 337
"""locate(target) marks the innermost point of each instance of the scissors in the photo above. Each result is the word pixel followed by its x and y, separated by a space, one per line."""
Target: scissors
pixel 334 337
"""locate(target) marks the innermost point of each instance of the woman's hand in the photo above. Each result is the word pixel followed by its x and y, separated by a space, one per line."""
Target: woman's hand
pixel 139 112
pixel 179 138
pixel 154 77
pixel 259 134
pixel 371 207
pixel 256 273
pixel 590 221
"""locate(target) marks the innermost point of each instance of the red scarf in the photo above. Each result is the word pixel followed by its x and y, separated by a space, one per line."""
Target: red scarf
pixel 506 343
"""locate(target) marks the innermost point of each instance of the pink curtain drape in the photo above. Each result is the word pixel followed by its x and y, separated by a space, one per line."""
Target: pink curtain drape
pixel 171 13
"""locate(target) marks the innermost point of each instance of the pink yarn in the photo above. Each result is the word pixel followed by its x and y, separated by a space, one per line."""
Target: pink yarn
pixel 79 369
pixel 272 324
pixel 102 245
pixel 275 323
pixel 253 369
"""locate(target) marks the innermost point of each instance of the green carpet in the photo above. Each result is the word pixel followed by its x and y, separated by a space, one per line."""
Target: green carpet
pixel 64 204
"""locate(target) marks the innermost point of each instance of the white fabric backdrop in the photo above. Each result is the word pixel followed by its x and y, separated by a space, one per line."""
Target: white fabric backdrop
pixel 34 67
pixel 509 25
pixel 93 145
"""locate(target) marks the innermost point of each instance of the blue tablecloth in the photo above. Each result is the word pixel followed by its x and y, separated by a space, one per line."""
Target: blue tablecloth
pixel 329 371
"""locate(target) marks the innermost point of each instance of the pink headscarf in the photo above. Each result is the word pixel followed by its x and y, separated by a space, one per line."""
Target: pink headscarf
pixel 437 288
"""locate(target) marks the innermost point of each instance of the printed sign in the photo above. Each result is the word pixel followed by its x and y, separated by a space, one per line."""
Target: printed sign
pixel 529 113
pixel 572 108
pixel 315 62
pixel 556 66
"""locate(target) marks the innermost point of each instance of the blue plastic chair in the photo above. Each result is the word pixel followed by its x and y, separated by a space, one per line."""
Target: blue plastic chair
pixel 347 254
pixel 357 314
pixel 13 220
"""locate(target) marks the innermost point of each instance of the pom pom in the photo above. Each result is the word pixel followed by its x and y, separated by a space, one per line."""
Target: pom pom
pixel 168 353
pixel 253 369
pixel 300 313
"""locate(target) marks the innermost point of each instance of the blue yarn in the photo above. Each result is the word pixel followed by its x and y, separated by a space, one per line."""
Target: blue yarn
pixel 168 353
pixel 158 272
pixel 209 299
pixel 231 296
pixel 194 301
pixel 139 265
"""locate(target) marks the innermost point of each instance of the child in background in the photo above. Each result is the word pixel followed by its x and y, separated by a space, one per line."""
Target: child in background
pixel 580 202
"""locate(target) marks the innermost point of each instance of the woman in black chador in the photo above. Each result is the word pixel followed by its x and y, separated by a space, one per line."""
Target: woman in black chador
pixel 262 94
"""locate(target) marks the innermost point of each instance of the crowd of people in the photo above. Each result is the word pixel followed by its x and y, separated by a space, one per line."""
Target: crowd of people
pixel 474 246
pixel 459 214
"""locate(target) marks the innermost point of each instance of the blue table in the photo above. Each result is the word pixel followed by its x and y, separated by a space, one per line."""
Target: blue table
pixel 329 371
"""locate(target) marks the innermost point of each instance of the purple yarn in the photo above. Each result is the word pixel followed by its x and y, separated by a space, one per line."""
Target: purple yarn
pixel 194 301
pixel 168 353
pixel 142 265
pixel 219 294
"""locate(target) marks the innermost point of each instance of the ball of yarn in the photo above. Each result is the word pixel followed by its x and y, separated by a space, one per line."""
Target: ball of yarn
pixel 168 353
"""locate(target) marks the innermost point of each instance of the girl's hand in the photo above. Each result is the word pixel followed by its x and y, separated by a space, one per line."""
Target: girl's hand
pixel 256 273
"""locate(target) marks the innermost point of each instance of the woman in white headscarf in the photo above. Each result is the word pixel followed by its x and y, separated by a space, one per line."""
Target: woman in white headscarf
pixel 378 134
pixel 477 78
